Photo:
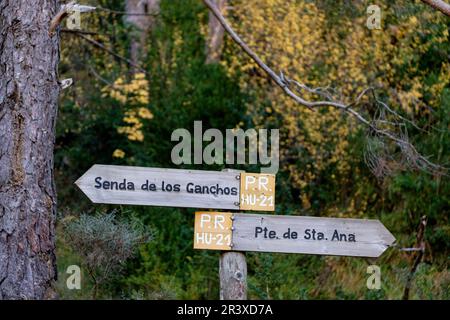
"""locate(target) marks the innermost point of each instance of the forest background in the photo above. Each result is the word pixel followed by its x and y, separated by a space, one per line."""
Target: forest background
pixel 134 85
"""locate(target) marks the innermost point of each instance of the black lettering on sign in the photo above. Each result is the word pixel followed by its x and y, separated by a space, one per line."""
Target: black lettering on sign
pixel 290 235
pixel 214 189
pixel 258 230
pixel 265 233
pixel 168 187
pixel 98 183
pixel 312 234
pixel 343 237
pixel 148 186
pixel 123 185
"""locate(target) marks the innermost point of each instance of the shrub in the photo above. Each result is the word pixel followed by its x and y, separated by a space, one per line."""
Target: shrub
pixel 105 243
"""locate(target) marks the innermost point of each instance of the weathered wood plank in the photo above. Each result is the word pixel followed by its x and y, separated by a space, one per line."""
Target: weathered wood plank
pixel 313 235
pixel 223 187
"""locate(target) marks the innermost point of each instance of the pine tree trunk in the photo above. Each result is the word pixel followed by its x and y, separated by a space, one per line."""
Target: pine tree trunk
pixel 28 107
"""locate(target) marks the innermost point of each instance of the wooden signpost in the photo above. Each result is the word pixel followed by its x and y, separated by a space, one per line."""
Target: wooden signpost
pixel 235 233
pixel 291 234
pixel 178 188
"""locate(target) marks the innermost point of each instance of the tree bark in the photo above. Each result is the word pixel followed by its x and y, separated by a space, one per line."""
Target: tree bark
pixel 29 91
pixel 216 32
pixel 142 23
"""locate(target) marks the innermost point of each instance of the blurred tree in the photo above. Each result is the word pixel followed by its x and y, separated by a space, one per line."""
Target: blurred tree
pixel 141 14
pixel 214 42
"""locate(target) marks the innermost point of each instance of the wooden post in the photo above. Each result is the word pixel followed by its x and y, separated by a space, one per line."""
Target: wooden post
pixel 233 276
pixel 233 272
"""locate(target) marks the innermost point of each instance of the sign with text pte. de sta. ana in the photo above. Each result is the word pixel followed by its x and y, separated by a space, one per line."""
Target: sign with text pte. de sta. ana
pixel 291 234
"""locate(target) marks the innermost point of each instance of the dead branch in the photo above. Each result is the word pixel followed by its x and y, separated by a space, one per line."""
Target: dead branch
pixel 90 33
pixel 99 77
pixel 440 5
pixel 118 56
pixel 64 11
pixel 124 13
pixel 56 21
pixel 377 128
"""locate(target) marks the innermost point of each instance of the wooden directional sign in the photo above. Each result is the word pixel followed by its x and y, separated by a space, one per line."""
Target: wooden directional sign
pixel 294 234
pixel 173 187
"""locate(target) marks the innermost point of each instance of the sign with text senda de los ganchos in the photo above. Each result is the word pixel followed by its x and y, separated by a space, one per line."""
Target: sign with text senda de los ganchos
pixel 290 234
pixel 178 188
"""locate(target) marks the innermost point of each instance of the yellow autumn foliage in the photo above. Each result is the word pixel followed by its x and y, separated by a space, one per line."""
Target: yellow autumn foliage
pixel 134 94
pixel 296 38
pixel 118 153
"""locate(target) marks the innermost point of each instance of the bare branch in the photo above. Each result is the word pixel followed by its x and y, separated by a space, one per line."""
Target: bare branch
pixel 440 5
pixel 101 46
pixel 385 165
pixel 64 11
pixel 151 14
pixel 99 77
pixel 91 33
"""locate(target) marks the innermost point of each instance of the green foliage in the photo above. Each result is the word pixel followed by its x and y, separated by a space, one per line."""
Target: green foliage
pixel 193 273
pixel 104 243
pixel 181 88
